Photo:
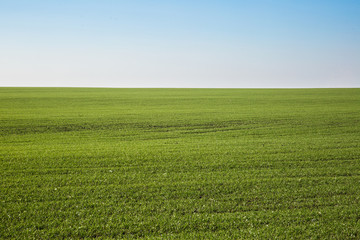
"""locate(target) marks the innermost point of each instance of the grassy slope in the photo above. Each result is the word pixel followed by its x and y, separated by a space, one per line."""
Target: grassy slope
pixel 181 163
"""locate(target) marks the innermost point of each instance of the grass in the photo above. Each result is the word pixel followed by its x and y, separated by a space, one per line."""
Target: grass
pixel 179 163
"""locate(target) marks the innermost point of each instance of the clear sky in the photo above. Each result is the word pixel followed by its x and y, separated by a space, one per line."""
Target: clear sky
pixel 183 43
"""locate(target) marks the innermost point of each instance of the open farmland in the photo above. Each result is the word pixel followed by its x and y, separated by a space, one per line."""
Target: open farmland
pixel 180 163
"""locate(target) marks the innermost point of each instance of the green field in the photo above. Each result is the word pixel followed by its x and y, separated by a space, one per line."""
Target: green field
pixel 180 163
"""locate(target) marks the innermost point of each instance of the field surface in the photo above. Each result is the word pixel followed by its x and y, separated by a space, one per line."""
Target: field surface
pixel 179 163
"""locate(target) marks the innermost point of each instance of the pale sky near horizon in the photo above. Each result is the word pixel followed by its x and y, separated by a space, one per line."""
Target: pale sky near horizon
pixel 223 43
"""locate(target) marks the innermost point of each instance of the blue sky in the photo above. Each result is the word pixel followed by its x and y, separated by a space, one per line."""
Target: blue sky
pixel 240 44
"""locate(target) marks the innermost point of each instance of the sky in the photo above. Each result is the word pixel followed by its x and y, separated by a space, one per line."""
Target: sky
pixel 181 44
